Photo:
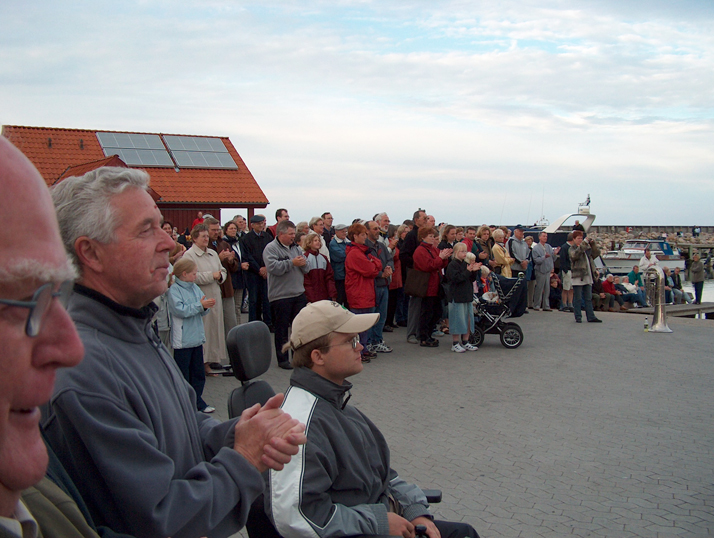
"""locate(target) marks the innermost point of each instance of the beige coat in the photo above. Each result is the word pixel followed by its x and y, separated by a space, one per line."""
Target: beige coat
pixel 208 262
pixel 501 257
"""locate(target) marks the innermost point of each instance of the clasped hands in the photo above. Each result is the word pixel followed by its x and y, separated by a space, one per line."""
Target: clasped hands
pixel 267 436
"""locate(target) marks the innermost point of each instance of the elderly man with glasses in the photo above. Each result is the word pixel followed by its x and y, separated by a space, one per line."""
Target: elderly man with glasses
pixel 38 337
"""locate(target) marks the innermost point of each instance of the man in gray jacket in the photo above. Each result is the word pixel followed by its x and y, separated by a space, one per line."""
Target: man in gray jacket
pixel 287 267
pixel 124 422
pixel 381 286
pixel 543 263
pixel 341 482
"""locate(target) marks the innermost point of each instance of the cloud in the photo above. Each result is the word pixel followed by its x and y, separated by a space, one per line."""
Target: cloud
pixel 460 105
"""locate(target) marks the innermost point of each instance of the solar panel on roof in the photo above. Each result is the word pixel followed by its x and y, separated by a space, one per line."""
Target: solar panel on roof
pixel 199 152
pixel 141 157
pixel 136 149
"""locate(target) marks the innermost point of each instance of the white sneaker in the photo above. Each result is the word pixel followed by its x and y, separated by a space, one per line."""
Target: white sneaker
pixel 469 347
pixel 412 339
pixel 380 347
pixel 208 409
pixel 456 348
pixel 437 334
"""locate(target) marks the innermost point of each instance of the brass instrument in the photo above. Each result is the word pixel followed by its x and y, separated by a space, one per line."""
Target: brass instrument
pixel 654 284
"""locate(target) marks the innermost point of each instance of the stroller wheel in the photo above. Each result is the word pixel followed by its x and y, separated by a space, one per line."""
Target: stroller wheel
pixel 476 337
pixel 511 336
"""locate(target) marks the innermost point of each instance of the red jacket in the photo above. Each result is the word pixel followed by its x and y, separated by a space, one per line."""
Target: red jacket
pixel 320 279
pixel 609 287
pixel 426 258
pixel 361 269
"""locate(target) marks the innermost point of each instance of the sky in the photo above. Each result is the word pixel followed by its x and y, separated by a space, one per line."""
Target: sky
pixel 498 112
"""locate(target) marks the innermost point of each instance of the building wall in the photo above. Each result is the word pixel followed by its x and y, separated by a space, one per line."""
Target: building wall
pixel 183 218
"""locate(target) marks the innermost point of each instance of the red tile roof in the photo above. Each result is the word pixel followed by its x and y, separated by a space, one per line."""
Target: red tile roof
pixel 53 151
pixel 81 169
pixel 112 160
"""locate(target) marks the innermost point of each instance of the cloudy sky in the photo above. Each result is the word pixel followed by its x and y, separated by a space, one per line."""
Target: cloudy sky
pixel 495 112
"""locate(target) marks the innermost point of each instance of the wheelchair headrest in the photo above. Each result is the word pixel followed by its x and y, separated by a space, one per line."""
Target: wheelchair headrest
pixel 249 349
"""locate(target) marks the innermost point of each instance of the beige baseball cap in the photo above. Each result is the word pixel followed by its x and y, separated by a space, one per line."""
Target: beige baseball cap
pixel 325 317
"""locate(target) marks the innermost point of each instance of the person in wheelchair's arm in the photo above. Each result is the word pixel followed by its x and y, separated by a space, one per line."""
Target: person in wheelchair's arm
pixel 341 482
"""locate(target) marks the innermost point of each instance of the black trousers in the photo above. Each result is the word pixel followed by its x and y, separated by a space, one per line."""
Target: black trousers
pixel 429 315
pixel 258 304
pixel 341 294
pixel 284 312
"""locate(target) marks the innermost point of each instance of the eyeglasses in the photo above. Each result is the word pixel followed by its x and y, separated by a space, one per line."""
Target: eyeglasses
pixel 40 303
pixel 353 341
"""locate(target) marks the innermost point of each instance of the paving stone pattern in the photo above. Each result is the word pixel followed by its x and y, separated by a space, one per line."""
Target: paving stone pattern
pixel 585 430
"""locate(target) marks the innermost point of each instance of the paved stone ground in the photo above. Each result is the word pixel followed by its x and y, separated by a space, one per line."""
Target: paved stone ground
pixel 585 430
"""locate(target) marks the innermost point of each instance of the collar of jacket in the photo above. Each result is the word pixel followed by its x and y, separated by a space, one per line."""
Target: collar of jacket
pixel 146 312
pixel 183 284
pixel 363 248
pixel 308 380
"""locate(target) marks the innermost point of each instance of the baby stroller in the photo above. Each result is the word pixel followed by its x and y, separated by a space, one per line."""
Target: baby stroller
pixel 491 308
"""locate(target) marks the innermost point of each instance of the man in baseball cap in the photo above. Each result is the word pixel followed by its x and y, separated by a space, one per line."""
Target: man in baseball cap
pixel 340 483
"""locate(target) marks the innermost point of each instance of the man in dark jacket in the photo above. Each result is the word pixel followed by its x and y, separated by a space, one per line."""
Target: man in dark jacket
pixel 341 483
pixel 253 244
pixel 406 256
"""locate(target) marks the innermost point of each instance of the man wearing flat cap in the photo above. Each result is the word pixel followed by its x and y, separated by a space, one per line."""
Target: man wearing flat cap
pixel 338 254
pixel 256 277
pixel 340 483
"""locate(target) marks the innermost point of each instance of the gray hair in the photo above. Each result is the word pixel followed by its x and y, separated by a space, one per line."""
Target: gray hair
pixel 84 207
pixel 315 220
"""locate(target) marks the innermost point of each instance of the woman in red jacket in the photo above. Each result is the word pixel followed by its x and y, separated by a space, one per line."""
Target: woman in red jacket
pixel 320 279
pixel 361 268
pixel 431 260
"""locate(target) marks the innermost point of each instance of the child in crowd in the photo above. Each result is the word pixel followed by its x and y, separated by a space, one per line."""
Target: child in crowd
pixel 461 276
pixel 187 305
pixel 320 278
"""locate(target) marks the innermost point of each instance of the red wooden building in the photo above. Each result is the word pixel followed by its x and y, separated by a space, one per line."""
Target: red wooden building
pixel 188 173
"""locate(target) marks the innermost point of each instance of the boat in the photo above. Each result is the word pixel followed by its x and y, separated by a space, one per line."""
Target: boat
pixel 620 262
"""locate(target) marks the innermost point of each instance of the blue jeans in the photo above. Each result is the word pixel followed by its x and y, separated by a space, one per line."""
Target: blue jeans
pixel 190 362
pixel 381 301
pixel 364 336
pixel 578 293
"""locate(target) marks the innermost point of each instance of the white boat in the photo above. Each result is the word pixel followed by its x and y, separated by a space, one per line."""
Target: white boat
pixel 620 262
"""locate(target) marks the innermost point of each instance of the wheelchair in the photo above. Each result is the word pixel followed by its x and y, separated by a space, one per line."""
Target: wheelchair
pixel 250 352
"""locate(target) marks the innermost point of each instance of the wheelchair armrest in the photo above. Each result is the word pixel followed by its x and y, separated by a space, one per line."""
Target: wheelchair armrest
pixel 433 496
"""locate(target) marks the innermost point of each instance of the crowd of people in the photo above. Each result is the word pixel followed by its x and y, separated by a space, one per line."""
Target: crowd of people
pixel 412 274
pixel 101 430
pixel 111 321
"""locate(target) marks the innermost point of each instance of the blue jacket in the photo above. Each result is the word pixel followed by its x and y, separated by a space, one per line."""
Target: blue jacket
pixel 186 308
pixel 338 254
